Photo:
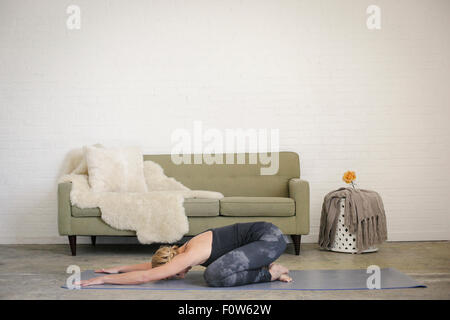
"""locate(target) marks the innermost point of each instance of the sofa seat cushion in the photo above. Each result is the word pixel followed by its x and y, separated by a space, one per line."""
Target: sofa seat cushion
pixel 198 207
pixel 195 207
pixel 257 206
pixel 85 213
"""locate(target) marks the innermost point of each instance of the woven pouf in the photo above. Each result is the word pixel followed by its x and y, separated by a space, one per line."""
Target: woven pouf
pixel 344 241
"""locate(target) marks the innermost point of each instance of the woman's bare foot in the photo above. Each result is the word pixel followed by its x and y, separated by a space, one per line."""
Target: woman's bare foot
pixel 285 278
pixel 279 272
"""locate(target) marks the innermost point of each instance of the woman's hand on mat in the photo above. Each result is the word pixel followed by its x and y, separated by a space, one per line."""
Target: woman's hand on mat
pixel 91 282
pixel 109 270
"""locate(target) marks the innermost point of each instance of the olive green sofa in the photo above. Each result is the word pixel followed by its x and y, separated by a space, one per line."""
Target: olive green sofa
pixel 282 199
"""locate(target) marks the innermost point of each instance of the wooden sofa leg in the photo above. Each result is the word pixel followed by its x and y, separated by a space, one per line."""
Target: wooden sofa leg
pixel 93 239
pixel 296 239
pixel 73 245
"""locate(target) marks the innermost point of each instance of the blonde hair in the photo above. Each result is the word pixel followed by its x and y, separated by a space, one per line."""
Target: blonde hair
pixel 163 255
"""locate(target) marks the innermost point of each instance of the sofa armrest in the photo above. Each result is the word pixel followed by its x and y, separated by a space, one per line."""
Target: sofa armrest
pixel 64 208
pixel 299 191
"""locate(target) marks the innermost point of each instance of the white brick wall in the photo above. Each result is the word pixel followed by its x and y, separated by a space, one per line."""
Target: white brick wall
pixel 343 96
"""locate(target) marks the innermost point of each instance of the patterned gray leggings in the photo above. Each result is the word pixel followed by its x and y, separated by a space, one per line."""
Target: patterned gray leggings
pixel 249 263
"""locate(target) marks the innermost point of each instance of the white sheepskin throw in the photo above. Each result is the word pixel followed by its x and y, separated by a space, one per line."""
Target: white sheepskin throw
pixel 156 215
pixel 115 169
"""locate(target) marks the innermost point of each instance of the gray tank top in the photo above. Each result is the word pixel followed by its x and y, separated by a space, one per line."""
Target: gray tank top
pixel 230 237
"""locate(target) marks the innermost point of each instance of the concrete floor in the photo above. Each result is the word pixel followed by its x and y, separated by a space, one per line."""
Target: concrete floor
pixel 38 271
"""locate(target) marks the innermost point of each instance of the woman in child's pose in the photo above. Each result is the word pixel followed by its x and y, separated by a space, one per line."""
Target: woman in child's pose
pixel 233 255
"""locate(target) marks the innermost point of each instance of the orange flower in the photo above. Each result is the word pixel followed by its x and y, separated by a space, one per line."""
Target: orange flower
pixel 349 176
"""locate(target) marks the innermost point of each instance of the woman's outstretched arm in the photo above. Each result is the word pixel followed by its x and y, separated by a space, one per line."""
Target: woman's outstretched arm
pixel 178 264
pixel 122 269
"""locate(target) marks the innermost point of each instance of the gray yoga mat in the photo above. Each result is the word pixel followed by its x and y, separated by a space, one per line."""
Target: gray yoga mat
pixel 302 280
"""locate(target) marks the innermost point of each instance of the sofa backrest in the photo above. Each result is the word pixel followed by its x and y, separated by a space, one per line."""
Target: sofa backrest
pixel 233 179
